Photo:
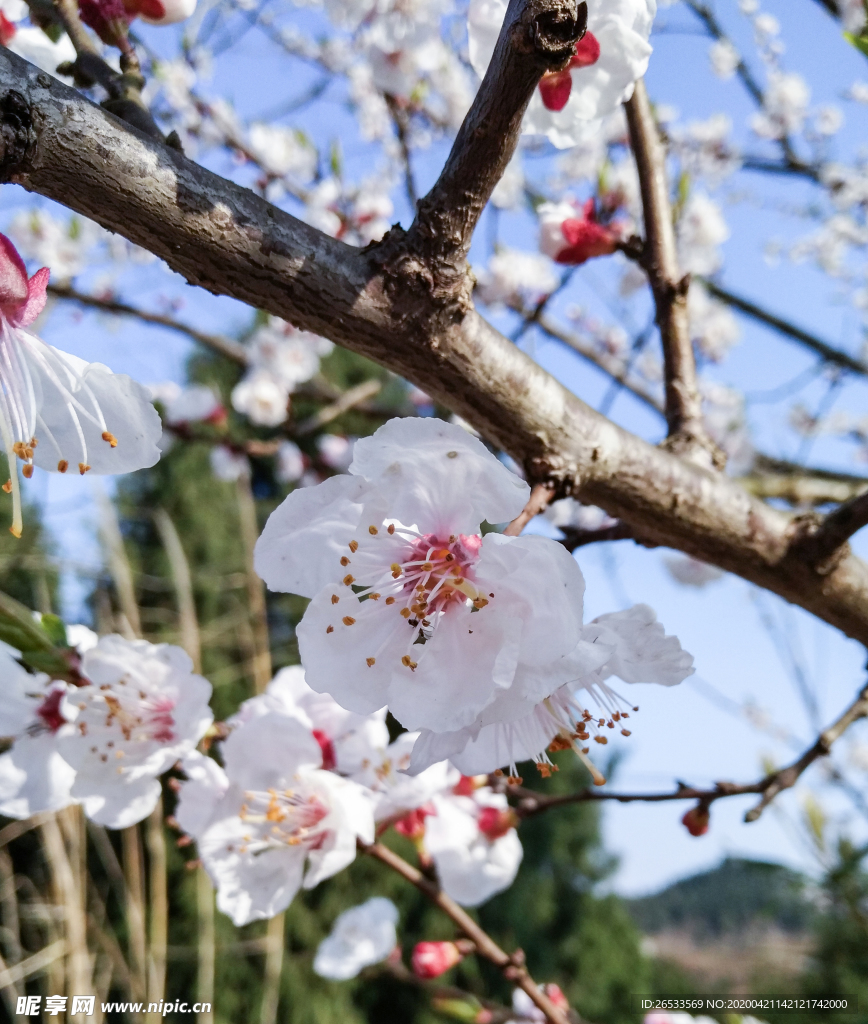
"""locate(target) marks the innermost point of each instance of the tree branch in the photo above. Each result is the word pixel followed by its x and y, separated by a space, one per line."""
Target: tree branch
pixel 230 241
pixel 537 36
pixel 540 498
pixel 687 434
pixel 823 542
pixel 828 352
pixel 216 342
pixel 531 802
pixel 512 966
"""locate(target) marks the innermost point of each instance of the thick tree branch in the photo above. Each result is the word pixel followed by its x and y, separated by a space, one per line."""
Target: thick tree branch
pixel 531 802
pixel 512 966
pixel 828 352
pixel 687 433
pixel 230 241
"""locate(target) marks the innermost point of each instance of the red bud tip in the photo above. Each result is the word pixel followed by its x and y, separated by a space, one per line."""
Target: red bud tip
pixel 431 959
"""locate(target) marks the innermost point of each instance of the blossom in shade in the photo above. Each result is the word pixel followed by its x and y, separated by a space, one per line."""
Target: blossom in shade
pixel 572 234
pixel 397 793
pixel 360 936
pixel 142 710
pixel 609 59
pixel 411 608
pixel 474 845
pixel 431 959
pixel 630 644
pixel 273 820
pixel 33 775
pixel 349 743
pixel 56 411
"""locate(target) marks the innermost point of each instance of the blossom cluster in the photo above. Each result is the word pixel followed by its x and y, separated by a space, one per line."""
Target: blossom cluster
pixel 303 780
pixel 103 742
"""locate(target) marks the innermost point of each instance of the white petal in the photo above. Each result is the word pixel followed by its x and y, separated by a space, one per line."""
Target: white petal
pixel 437 475
pixel 360 936
pixel 540 583
pixel 117 806
pixel 126 408
pixel 34 778
pixel 304 538
pixel 269 749
pixel 200 795
pixel 644 654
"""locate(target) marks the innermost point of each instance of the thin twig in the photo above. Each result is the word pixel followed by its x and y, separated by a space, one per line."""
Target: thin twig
pixel 577 538
pixel 401 121
pixel 540 498
pixel 687 434
pixel 216 342
pixel 255 587
pixel 348 400
pixel 530 802
pixel 206 947
pixel 828 352
pixel 513 967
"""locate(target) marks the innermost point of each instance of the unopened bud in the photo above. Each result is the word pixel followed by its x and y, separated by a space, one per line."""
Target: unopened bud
pixel 696 820
pixel 431 959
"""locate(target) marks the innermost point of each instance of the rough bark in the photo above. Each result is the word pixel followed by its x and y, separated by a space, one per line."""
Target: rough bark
pixel 385 306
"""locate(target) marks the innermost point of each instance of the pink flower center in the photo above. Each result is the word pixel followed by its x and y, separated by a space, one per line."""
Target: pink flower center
pixel 414 577
pixel 281 818
pixel 142 717
pixel 49 711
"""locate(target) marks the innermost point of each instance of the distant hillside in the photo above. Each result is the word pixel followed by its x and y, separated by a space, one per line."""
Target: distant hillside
pixel 738 896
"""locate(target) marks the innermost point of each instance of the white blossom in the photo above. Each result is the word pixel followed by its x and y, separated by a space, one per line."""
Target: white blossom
pixel 701 231
pixel 474 845
pixel 228 465
pixel 360 936
pixel 724 57
pixel 33 775
pixel 142 710
pixel 515 276
pixel 57 410
pixel 621 27
pixel 402 582
pixel 272 821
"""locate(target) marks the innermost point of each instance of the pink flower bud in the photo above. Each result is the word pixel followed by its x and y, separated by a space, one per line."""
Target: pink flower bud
pixel 571 234
pixel 412 825
pixel 696 820
pixel 556 86
pixel 495 823
pixel 587 51
pixel 7 30
pixel 21 300
pixel 108 19
pixel 431 959
pixel 468 784
pixel 552 990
